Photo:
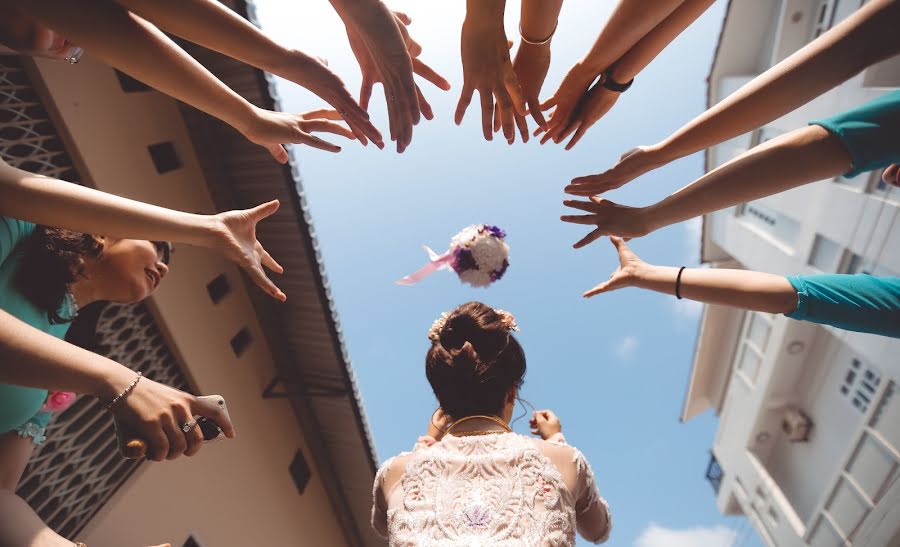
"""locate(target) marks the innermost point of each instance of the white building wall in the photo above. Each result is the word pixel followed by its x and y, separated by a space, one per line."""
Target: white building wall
pixel 837 487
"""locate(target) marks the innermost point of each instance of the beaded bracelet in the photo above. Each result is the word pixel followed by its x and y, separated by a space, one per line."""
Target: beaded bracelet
pixel 125 392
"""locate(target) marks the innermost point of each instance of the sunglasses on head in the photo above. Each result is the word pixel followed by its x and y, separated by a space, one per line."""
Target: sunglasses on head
pixel 163 251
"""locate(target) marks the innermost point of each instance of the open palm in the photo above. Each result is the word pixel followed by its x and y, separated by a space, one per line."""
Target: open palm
pixel 236 239
pixel 625 275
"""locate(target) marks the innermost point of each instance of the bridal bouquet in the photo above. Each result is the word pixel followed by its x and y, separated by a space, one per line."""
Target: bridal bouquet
pixel 478 254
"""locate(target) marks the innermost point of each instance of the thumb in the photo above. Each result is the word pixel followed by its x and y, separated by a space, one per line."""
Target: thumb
pixel 264 210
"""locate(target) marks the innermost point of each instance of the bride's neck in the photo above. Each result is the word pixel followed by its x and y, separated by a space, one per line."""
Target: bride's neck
pixel 468 424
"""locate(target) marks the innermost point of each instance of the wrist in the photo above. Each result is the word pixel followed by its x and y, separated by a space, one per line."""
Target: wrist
pixel 243 117
pixel 111 381
pixel 485 11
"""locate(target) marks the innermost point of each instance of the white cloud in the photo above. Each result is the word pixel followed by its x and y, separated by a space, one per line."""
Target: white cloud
pixel 626 347
pixel 689 310
pixel 658 536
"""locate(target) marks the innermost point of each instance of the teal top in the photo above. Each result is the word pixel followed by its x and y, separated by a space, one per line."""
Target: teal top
pixel 17 403
pixel 859 302
pixel 870 132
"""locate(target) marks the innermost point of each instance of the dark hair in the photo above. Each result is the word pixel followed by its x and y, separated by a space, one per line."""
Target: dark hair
pixel 52 259
pixel 474 361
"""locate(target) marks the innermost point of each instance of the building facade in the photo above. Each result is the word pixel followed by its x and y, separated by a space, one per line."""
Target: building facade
pixel 808 443
pixel 300 470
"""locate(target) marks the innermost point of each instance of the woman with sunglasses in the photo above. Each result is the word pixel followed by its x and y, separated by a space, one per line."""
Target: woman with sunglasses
pixel 478 482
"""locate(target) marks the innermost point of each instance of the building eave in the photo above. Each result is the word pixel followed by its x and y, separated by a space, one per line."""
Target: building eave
pixel 304 334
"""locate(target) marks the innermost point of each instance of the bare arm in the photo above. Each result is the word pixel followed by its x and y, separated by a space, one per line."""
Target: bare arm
pixel 861 40
pixel 52 202
pixel 211 24
pixel 744 289
pixel 33 358
pixel 858 42
pixel 641 54
pixel 630 22
pixel 539 18
pixel 806 155
pixel 599 100
pixel 136 47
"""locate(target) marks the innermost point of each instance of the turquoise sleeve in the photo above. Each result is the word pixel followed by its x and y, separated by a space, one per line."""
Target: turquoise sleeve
pixel 12 231
pixel 870 133
pixel 860 302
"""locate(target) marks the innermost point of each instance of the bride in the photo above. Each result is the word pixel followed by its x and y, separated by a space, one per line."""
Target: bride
pixel 475 482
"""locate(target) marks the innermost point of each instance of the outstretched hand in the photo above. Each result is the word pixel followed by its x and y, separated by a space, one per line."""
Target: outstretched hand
pixel 629 270
pixel 272 130
pixel 566 99
pixel 593 106
pixel 488 70
pixel 632 164
pixel 313 74
pixel 530 66
pixel 609 217
pixel 234 236
pixel 388 55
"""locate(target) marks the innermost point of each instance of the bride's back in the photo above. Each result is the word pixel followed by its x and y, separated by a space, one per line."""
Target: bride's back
pixel 500 489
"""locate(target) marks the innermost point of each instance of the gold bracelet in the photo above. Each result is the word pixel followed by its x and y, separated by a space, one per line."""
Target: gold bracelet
pixel 542 42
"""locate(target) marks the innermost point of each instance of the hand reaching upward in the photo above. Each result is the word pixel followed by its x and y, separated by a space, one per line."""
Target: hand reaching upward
pixel 487 68
pixel 388 55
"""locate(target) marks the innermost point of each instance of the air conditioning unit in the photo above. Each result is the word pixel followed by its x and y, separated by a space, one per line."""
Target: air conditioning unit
pixel 796 425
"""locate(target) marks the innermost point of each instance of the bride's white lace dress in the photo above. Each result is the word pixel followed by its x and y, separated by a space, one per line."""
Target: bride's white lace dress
pixel 491 490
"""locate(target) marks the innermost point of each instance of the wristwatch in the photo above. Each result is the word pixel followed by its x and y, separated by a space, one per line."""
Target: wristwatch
pixel 613 85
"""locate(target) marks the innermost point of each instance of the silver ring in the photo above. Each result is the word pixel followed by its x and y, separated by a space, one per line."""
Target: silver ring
pixel 390 98
pixel 188 426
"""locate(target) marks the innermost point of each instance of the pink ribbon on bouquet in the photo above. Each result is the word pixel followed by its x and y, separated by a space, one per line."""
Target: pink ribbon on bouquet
pixel 437 262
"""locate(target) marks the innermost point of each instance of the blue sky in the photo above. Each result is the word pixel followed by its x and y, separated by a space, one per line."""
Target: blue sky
pixel 614 368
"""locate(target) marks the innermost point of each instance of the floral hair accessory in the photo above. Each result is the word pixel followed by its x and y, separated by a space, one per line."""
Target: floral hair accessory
pixel 508 320
pixel 478 254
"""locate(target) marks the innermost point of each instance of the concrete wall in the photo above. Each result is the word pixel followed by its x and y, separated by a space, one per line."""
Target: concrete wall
pixel 233 493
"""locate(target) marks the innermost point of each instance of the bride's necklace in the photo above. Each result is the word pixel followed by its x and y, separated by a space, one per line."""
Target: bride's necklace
pixel 498 421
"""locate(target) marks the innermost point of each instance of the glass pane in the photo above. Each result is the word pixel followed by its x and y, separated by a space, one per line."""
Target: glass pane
pixel 825 254
pixel 824 535
pixel 886 420
pixel 749 363
pixel 758 331
pixel 847 508
pixel 871 466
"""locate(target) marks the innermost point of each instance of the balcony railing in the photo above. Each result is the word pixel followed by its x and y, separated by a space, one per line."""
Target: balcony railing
pixel 714 473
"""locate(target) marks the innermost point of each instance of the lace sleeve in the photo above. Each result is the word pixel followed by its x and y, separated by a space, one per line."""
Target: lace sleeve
pixel 379 500
pixel 591 510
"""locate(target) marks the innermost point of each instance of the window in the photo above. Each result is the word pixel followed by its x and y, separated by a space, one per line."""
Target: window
pixel 753 345
pixel 822 18
pixel 300 472
pixel 859 385
pixel 825 255
pixel 164 157
pixel 218 288
pixel 767 220
pixel 241 341
pixel 855 263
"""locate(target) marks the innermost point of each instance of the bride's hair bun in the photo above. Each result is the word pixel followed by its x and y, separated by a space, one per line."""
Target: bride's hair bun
pixel 474 360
